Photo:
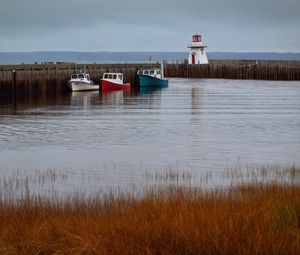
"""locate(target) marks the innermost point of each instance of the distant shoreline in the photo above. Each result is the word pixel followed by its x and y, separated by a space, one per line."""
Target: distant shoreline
pixel 106 57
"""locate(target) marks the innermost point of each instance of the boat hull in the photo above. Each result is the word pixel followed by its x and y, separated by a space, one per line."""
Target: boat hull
pixel 107 86
pixel 82 86
pixel 149 81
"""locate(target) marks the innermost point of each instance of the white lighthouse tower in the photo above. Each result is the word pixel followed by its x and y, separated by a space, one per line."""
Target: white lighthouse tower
pixel 197 51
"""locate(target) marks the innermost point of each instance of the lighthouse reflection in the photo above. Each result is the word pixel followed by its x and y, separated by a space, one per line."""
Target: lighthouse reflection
pixel 196 100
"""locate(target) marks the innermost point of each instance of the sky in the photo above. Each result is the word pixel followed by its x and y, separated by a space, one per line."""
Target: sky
pixel 156 25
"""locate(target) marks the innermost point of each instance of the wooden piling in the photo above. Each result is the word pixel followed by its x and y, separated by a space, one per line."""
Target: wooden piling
pixel 43 79
pixel 50 79
pixel 237 69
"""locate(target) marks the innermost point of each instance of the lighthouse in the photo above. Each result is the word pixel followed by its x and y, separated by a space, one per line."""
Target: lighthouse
pixel 197 51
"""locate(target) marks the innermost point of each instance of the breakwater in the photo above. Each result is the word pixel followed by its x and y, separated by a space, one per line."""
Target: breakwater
pixel 238 69
pixel 50 79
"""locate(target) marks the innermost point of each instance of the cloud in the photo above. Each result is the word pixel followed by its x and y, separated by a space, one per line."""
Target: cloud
pixel 169 23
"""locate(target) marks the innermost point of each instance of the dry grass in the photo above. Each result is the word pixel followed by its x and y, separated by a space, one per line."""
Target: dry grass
pixel 260 218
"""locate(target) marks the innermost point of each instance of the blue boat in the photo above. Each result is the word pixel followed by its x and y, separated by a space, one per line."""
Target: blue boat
pixel 151 78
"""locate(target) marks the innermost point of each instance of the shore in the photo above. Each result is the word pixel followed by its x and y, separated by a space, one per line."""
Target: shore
pixel 260 217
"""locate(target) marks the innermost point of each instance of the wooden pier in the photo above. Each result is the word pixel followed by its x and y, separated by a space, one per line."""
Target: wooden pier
pixel 50 79
pixel 238 69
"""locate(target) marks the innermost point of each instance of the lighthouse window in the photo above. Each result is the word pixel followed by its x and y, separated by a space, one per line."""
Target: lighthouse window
pixel 197 38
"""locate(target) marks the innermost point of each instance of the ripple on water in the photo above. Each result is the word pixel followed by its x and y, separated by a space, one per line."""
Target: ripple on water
pixel 207 123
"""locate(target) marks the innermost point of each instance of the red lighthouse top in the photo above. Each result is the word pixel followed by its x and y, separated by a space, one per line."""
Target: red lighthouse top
pixel 196 38
pixel 197 42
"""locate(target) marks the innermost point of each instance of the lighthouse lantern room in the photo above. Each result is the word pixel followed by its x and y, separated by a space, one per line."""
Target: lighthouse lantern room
pixel 197 51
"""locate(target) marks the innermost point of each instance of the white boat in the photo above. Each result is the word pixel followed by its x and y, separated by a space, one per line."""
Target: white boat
pixel 81 82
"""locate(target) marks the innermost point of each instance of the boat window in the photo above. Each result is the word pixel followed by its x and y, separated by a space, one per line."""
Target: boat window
pixel 88 77
pixel 114 76
pixel 106 76
pixel 140 72
pixel 152 72
pixel 74 76
pixel 120 76
pixel 158 72
pixel 110 76
pixel 146 72
pixel 80 76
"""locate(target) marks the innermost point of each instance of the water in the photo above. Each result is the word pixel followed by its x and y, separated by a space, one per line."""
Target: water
pixel 124 139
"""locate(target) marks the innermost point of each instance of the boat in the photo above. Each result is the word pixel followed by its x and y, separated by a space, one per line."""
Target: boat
pixel 151 78
pixel 112 82
pixel 81 82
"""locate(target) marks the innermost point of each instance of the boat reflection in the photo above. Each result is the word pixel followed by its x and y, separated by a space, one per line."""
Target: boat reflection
pixel 82 100
pixel 113 97
pixel 147 90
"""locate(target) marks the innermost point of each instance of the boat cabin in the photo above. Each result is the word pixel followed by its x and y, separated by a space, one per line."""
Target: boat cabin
pixel 80 77
pixel 151 72
pixel 113 77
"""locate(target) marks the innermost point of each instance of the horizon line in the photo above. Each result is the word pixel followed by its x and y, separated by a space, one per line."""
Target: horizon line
pixel 147 51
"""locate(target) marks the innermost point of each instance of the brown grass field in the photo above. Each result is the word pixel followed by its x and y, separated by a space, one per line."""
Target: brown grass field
pixel 253 218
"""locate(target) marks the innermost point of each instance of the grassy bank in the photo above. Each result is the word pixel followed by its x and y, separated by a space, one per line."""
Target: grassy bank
pixel 257 218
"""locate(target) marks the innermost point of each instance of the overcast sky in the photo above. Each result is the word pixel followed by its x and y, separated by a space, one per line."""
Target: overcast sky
pixel 156 25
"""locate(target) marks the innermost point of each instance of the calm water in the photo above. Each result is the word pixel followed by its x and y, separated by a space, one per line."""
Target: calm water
pixel 122 138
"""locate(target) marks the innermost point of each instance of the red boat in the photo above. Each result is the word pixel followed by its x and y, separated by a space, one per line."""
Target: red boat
pixel 112 82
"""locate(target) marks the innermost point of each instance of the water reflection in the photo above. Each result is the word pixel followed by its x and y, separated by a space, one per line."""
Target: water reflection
pixel 196 100
pixel 190 126
pixel 10 105
pixel 85 100
pixel 149 90
pixel 114 97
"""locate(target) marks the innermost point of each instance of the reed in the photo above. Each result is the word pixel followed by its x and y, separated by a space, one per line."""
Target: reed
pixel 252 218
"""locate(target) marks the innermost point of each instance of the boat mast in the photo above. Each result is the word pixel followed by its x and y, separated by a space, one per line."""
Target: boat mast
pixel 162 69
